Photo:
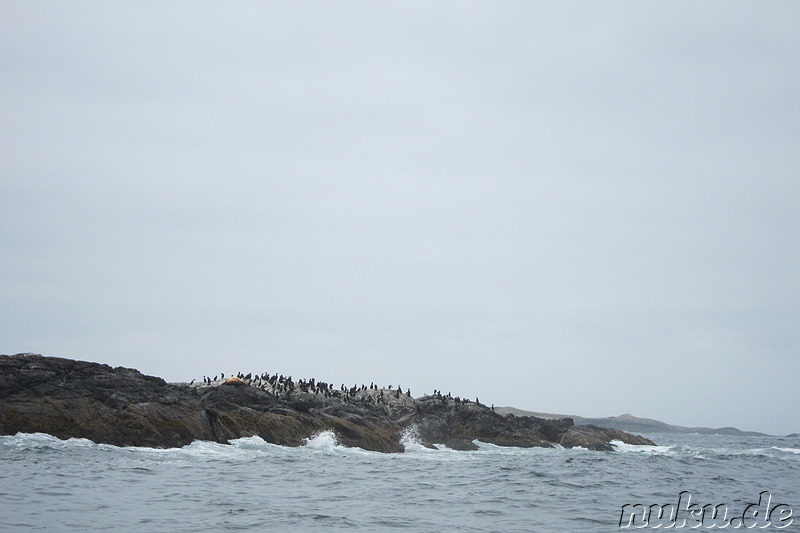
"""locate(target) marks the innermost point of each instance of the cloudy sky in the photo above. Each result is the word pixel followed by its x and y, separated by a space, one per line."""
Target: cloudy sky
pixel 574 207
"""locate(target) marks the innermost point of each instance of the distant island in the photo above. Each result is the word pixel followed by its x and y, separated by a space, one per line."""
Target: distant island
pixel 121 406
pixel 633 424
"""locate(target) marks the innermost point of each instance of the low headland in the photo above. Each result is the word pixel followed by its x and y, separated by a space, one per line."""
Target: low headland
pixel 634 424
pixel 121 406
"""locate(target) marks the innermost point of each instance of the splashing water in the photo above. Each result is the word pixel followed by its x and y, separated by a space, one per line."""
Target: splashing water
pixel 324 441
pixel 411 441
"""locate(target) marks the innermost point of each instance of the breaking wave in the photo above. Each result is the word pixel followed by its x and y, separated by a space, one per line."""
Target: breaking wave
pixel 324 441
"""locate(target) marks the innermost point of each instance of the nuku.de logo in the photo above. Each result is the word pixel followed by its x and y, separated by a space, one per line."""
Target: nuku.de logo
pixel 684 513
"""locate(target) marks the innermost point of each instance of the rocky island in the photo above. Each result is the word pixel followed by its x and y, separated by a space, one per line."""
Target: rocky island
pixel 121 406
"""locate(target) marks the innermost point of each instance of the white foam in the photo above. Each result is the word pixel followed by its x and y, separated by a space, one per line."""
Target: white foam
pixel 40 440
pixel 411 443
pixel 242 449
pixel 324 441
pixel 208 449
pixel 488 447
pixel 249 442
pixel 787 450
pixel 620 446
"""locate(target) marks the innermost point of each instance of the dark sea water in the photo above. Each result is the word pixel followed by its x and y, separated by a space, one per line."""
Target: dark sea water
pixel 47 484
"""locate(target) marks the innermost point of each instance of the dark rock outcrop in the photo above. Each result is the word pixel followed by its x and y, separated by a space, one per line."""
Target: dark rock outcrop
pixel 457 425
pixel 597 438
pixel 121 406
pixel 67 398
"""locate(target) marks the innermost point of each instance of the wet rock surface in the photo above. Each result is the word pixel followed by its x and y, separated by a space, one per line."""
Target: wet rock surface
pixel 121 406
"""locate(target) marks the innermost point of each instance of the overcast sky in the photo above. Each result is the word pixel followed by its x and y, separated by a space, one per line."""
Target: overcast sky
pixel 588 208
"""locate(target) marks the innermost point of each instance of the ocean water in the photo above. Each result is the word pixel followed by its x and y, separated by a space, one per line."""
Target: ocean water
pixel 47 484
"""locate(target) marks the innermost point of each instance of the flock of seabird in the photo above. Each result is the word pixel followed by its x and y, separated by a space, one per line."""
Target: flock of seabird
pixel 284 386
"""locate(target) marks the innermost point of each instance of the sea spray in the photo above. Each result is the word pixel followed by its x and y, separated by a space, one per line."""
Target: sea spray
pixel 324 441
pixel 410 440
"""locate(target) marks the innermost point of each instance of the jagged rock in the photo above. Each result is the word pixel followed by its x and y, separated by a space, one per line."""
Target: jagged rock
pixel 121 406
pixel 597 438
